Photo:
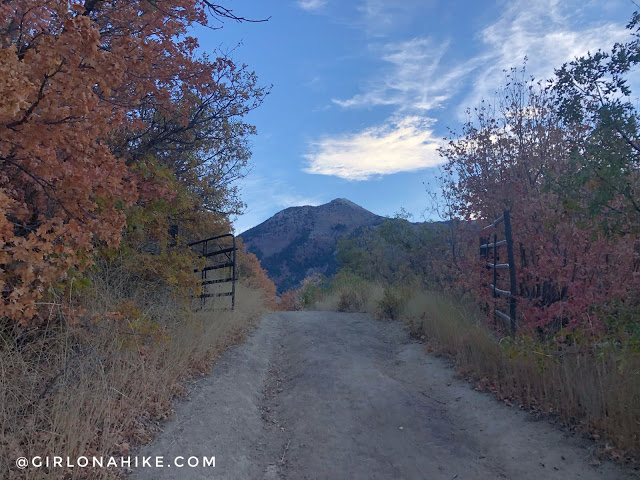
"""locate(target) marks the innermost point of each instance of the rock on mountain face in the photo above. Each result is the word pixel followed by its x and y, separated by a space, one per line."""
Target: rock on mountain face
pixel 301 241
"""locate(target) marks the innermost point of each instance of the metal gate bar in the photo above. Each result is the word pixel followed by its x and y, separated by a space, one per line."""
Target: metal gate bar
pixel 485 248
pixel 230 263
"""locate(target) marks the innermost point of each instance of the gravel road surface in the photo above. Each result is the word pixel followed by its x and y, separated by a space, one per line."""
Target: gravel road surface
pixel 323 395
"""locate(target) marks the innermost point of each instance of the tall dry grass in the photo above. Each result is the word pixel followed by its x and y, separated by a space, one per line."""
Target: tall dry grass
pixel 346 293
pixel 594 387
pixel 102 385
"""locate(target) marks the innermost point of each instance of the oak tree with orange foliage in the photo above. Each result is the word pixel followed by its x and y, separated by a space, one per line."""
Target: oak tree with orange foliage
pixel 251 273
pixel 92 92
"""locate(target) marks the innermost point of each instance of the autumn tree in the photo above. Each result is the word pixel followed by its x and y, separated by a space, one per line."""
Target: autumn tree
pixel 102 100
pixel 563 158
pixel 508 158
pixel 251 273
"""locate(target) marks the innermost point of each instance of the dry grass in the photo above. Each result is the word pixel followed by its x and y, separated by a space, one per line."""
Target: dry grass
pixel 595 388
pixel 101 386
pixel 349 294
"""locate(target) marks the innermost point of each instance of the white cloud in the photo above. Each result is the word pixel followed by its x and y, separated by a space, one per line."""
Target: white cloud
pixel 542 32
pixel 415 77
pixel 400 145
pixel 420 75
pixel 311 5
pixel 380 18
pixel 377 16
pixel 416 81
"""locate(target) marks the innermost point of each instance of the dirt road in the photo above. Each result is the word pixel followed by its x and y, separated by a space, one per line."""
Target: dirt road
pixel 318 395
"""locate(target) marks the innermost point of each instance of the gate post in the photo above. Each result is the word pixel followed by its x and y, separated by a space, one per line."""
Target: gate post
pixel 233 276
pixel 512 270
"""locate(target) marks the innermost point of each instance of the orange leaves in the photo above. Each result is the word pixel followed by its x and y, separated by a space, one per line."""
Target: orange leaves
pixel 251 273
pixel 114 316
pixel 12 84
pixel 53 164
pixel 83 85
pixel 290 301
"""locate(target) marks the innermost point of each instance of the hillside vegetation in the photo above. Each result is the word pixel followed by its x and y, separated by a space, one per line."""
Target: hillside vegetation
pixel 119 145
pixel 300 241
pixel 563 158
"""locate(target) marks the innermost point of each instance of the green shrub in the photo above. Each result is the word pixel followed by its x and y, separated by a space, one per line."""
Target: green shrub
pixel 391 305
pixel 349 301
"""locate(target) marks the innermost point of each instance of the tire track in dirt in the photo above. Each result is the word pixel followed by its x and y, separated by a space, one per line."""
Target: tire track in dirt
pixel 323 395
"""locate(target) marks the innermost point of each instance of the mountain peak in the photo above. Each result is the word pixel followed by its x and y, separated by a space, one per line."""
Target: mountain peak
pixel 300 241
pixel 347 205
pixel 344 201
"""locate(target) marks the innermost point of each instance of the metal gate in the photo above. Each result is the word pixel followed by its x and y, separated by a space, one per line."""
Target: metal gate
pixel 490 251
pixel 221 261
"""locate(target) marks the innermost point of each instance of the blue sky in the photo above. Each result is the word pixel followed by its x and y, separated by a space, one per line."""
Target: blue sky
pixel 365 90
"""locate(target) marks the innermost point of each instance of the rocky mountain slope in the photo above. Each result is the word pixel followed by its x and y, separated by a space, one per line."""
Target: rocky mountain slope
pixel 301 241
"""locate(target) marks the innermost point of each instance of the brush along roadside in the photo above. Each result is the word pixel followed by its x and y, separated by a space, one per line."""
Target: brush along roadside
pixel 101 384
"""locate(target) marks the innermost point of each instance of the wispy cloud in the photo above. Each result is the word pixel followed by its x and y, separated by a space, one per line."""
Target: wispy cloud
pixel 311 5
pixel 416 79
pixel 379 18
pixel 376 15
pixel 418 76
pixel 413 76
pixel 399 145
pixel 543 32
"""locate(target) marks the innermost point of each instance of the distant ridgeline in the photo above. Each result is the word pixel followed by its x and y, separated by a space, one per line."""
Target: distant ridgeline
pixel 301 241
